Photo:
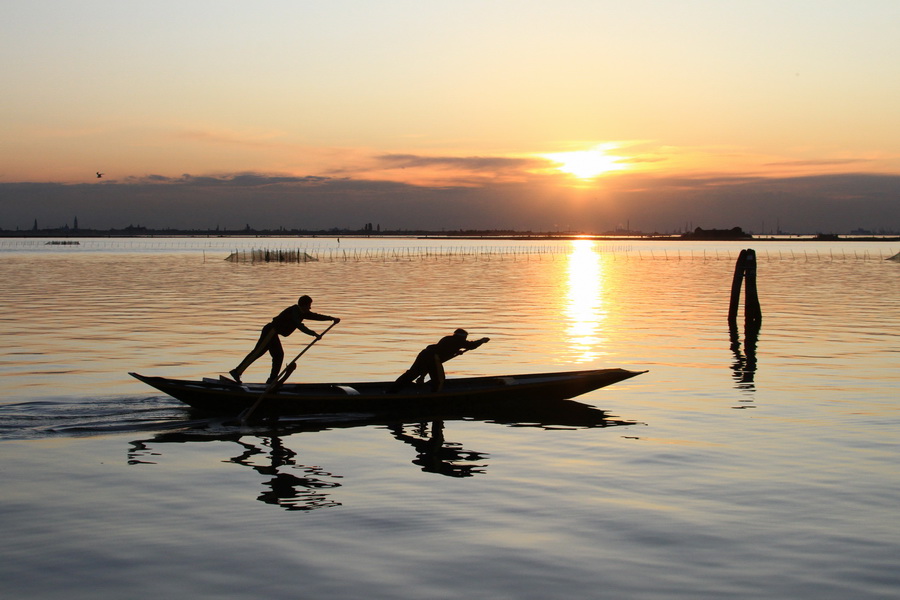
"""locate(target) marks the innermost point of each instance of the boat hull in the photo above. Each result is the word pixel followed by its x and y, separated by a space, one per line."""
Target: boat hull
pixel 226 398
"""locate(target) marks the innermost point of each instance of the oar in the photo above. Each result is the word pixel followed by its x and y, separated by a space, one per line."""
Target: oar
pixel 282 377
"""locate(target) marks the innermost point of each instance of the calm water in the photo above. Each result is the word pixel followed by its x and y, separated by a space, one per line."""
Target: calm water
pixel 725 471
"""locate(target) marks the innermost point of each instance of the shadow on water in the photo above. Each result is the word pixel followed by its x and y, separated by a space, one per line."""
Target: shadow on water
pixel 295 486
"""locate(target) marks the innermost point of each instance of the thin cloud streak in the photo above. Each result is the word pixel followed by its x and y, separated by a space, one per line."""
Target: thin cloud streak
pixel 442 171
pixel 819 163
pixel 472 163
pixel 260 140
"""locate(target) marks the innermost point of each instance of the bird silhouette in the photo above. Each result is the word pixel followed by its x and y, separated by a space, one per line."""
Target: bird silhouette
pixel 99 174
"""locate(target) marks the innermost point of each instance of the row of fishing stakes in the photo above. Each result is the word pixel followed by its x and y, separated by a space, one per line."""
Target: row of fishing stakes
pixel 745 269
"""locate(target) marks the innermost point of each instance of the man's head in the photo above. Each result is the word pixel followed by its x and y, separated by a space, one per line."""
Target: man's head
pixel 304 302
pixel 461 333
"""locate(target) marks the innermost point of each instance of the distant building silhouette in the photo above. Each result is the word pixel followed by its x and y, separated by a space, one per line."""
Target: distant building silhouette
pixel 735 233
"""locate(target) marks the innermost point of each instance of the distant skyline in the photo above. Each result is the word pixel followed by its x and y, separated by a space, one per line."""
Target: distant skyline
pixel 576 114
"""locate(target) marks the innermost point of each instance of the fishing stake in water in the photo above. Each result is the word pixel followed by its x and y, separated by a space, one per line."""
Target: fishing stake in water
pixel 745 270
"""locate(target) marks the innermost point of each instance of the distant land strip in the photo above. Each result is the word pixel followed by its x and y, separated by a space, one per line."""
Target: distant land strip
pixel 698 234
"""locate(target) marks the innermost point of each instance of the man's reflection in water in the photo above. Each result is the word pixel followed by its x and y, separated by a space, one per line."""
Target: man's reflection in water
pixel 287 490
pixel 271 458
pixel 435 455
pixel 744 365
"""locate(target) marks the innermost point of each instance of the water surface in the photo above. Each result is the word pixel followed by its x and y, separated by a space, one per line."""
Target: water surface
pixel 753 470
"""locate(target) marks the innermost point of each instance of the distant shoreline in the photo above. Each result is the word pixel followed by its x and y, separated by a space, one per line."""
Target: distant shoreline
pixel 51 235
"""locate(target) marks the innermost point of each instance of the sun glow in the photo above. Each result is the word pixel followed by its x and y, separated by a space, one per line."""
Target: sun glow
pixel 585 311
pixel 587 164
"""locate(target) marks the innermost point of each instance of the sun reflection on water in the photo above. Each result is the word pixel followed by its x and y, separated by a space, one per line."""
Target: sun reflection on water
pixel 585 308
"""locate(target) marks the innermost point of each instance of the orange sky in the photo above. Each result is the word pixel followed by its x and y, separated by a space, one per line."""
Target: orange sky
pixel 465 94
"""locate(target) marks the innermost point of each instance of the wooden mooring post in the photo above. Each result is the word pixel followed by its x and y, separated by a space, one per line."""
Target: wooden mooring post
pixel 745 270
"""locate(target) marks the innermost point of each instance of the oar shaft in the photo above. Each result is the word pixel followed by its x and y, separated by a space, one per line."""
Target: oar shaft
pixel 245 416
pixel 308 346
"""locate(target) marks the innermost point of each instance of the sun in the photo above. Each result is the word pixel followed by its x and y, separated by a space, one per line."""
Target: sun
pixel 586 164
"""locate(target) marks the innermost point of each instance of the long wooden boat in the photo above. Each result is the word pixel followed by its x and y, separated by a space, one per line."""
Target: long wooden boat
pixel 216 396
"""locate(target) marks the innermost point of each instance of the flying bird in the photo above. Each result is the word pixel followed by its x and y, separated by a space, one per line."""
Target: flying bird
pixel 99 174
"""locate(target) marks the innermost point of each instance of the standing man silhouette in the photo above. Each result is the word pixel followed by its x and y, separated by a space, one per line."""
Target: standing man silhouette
pixel 283 324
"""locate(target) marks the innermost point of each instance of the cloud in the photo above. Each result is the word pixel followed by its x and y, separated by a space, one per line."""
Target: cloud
pixel 469 163
pixel 249 179
pixel 441 171
pixel 818 163
pixel 642 159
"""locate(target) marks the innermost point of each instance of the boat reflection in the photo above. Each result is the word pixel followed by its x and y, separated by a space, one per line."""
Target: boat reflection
pixel 295 486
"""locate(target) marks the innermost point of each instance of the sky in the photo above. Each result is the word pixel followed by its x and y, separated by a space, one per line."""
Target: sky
pixel 583 115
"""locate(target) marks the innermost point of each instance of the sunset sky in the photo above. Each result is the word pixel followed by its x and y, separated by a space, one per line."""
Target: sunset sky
pixel 588 114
